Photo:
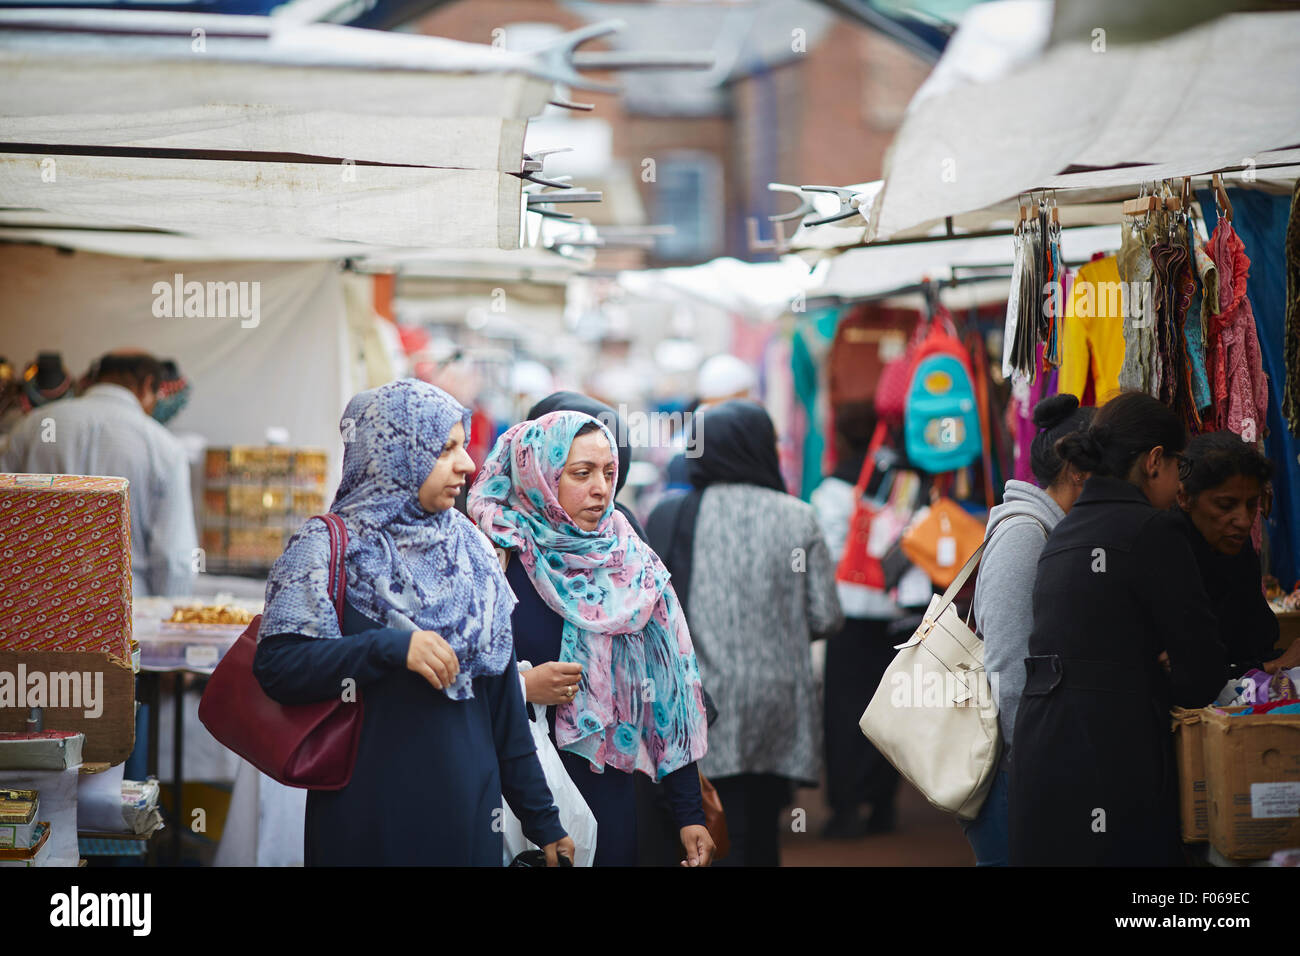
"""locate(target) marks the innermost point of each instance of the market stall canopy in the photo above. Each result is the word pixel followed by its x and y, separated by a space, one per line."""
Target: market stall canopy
pixel 86 305
pixel 1091 198
pixel 878 270
pixel 539 260
pixel 254 126
pixel 1004 113
pixel 758 291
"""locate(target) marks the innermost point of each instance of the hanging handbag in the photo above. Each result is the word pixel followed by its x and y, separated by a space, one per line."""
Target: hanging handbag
pixel 933 715
pixel 857 568
pixel 311 746
pixel 896 379
pixel 942 541
pixel 892 519
pixel 715 818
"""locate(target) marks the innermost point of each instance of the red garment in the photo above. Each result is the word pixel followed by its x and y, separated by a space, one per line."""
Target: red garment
pixel 482 435
pixel 1236 370
pixel 1265 708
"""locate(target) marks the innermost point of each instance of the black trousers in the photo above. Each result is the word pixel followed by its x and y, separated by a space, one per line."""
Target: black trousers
pixel 753 803
pixel 856 773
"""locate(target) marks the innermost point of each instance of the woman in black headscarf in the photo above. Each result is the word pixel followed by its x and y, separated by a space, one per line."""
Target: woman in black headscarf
pixel 751 570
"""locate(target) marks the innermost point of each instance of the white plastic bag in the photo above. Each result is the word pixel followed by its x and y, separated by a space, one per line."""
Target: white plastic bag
pixel 578 820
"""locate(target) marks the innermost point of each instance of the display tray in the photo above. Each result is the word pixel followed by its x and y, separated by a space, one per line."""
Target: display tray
pixel 197 649
pixel 180 631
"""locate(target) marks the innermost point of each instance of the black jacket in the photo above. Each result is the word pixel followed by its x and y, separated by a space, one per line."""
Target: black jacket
pixel 1093 780
pixel 1248 628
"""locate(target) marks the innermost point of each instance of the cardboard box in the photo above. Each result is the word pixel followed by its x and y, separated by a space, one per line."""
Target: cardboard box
pixel 36 853
pixel 1252 772
pixel 93 694
pixel 41 750
pixel 65 564
pixel 18 809
pixel 58 792
pixel 1193 806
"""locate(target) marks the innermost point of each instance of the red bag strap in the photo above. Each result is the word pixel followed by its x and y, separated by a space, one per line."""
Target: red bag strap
pixel 975 346
pixel 943 318
pixel 869 463
pixel 338 550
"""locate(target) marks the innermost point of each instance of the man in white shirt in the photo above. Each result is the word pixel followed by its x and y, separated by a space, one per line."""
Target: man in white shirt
pixel 109 431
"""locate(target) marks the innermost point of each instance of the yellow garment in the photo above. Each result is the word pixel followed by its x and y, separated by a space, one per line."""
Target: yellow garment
pixel 1092 340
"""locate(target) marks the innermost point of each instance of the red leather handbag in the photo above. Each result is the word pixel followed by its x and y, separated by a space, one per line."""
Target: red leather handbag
pixel 856 565
pixel 312 746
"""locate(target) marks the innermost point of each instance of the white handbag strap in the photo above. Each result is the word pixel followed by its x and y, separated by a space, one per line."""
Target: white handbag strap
pixel 965 571
pixel 959 581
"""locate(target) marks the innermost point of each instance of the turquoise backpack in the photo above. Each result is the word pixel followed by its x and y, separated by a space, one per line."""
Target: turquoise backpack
pixel 941 420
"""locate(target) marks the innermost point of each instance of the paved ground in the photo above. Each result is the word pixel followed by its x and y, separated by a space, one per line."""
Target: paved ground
pixel 925 837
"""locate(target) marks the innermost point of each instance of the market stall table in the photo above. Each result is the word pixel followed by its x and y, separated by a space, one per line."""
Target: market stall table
pixel 180 650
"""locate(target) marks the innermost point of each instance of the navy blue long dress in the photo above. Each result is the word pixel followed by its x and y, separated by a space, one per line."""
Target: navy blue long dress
pixel 430 771
pixel 611 795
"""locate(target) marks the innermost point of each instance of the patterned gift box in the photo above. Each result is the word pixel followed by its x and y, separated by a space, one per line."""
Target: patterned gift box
pixel 65 564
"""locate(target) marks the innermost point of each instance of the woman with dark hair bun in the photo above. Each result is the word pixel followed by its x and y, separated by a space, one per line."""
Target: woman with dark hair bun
pixel 1219 499
pixel 1016 532
pixel 1123 630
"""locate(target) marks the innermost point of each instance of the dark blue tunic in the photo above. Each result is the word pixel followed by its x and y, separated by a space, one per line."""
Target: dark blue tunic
pixel 611 795
pixel 430 771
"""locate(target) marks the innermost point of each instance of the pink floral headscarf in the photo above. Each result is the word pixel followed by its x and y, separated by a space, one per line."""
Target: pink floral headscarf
pixel 639 704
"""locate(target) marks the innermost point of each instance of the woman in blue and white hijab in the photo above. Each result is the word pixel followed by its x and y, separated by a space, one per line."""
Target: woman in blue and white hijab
pixel 425 638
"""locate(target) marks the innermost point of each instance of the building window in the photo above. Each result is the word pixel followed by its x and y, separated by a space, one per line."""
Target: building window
pixel 687 194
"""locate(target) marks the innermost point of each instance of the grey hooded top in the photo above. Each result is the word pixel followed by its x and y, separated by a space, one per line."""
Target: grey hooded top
pixel 1004 592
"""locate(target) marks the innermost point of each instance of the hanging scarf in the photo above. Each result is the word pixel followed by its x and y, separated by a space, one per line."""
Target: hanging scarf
pixel 1140 368
pixel 406 567
pixel 1236 364
pixel 1174 289
pixel 1291 340
pixel 638 705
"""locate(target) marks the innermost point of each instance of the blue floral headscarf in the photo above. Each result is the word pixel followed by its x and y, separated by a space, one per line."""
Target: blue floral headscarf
pixel 406 567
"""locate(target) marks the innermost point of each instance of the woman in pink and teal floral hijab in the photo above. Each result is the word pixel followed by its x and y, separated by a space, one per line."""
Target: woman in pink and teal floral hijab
pixel 637 704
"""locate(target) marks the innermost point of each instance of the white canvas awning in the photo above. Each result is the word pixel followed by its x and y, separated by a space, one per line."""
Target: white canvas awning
pixel 875 270
pixel 1003 113
pixel 760 291
pixel 252 126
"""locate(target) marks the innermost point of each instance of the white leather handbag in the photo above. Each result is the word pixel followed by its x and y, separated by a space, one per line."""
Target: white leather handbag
pixel 934 715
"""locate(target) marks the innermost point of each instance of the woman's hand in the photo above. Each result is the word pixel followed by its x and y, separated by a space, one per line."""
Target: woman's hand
pixel 698 845
pixel 552 683
pixel 432 658
pixel 564 846
pixel 1290 658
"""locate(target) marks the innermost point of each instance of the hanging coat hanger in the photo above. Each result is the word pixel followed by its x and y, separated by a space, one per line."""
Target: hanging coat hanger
pixel 1221 199
pixel 1143 205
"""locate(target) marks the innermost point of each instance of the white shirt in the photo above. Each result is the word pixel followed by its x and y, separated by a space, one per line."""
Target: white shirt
pixel 106 432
